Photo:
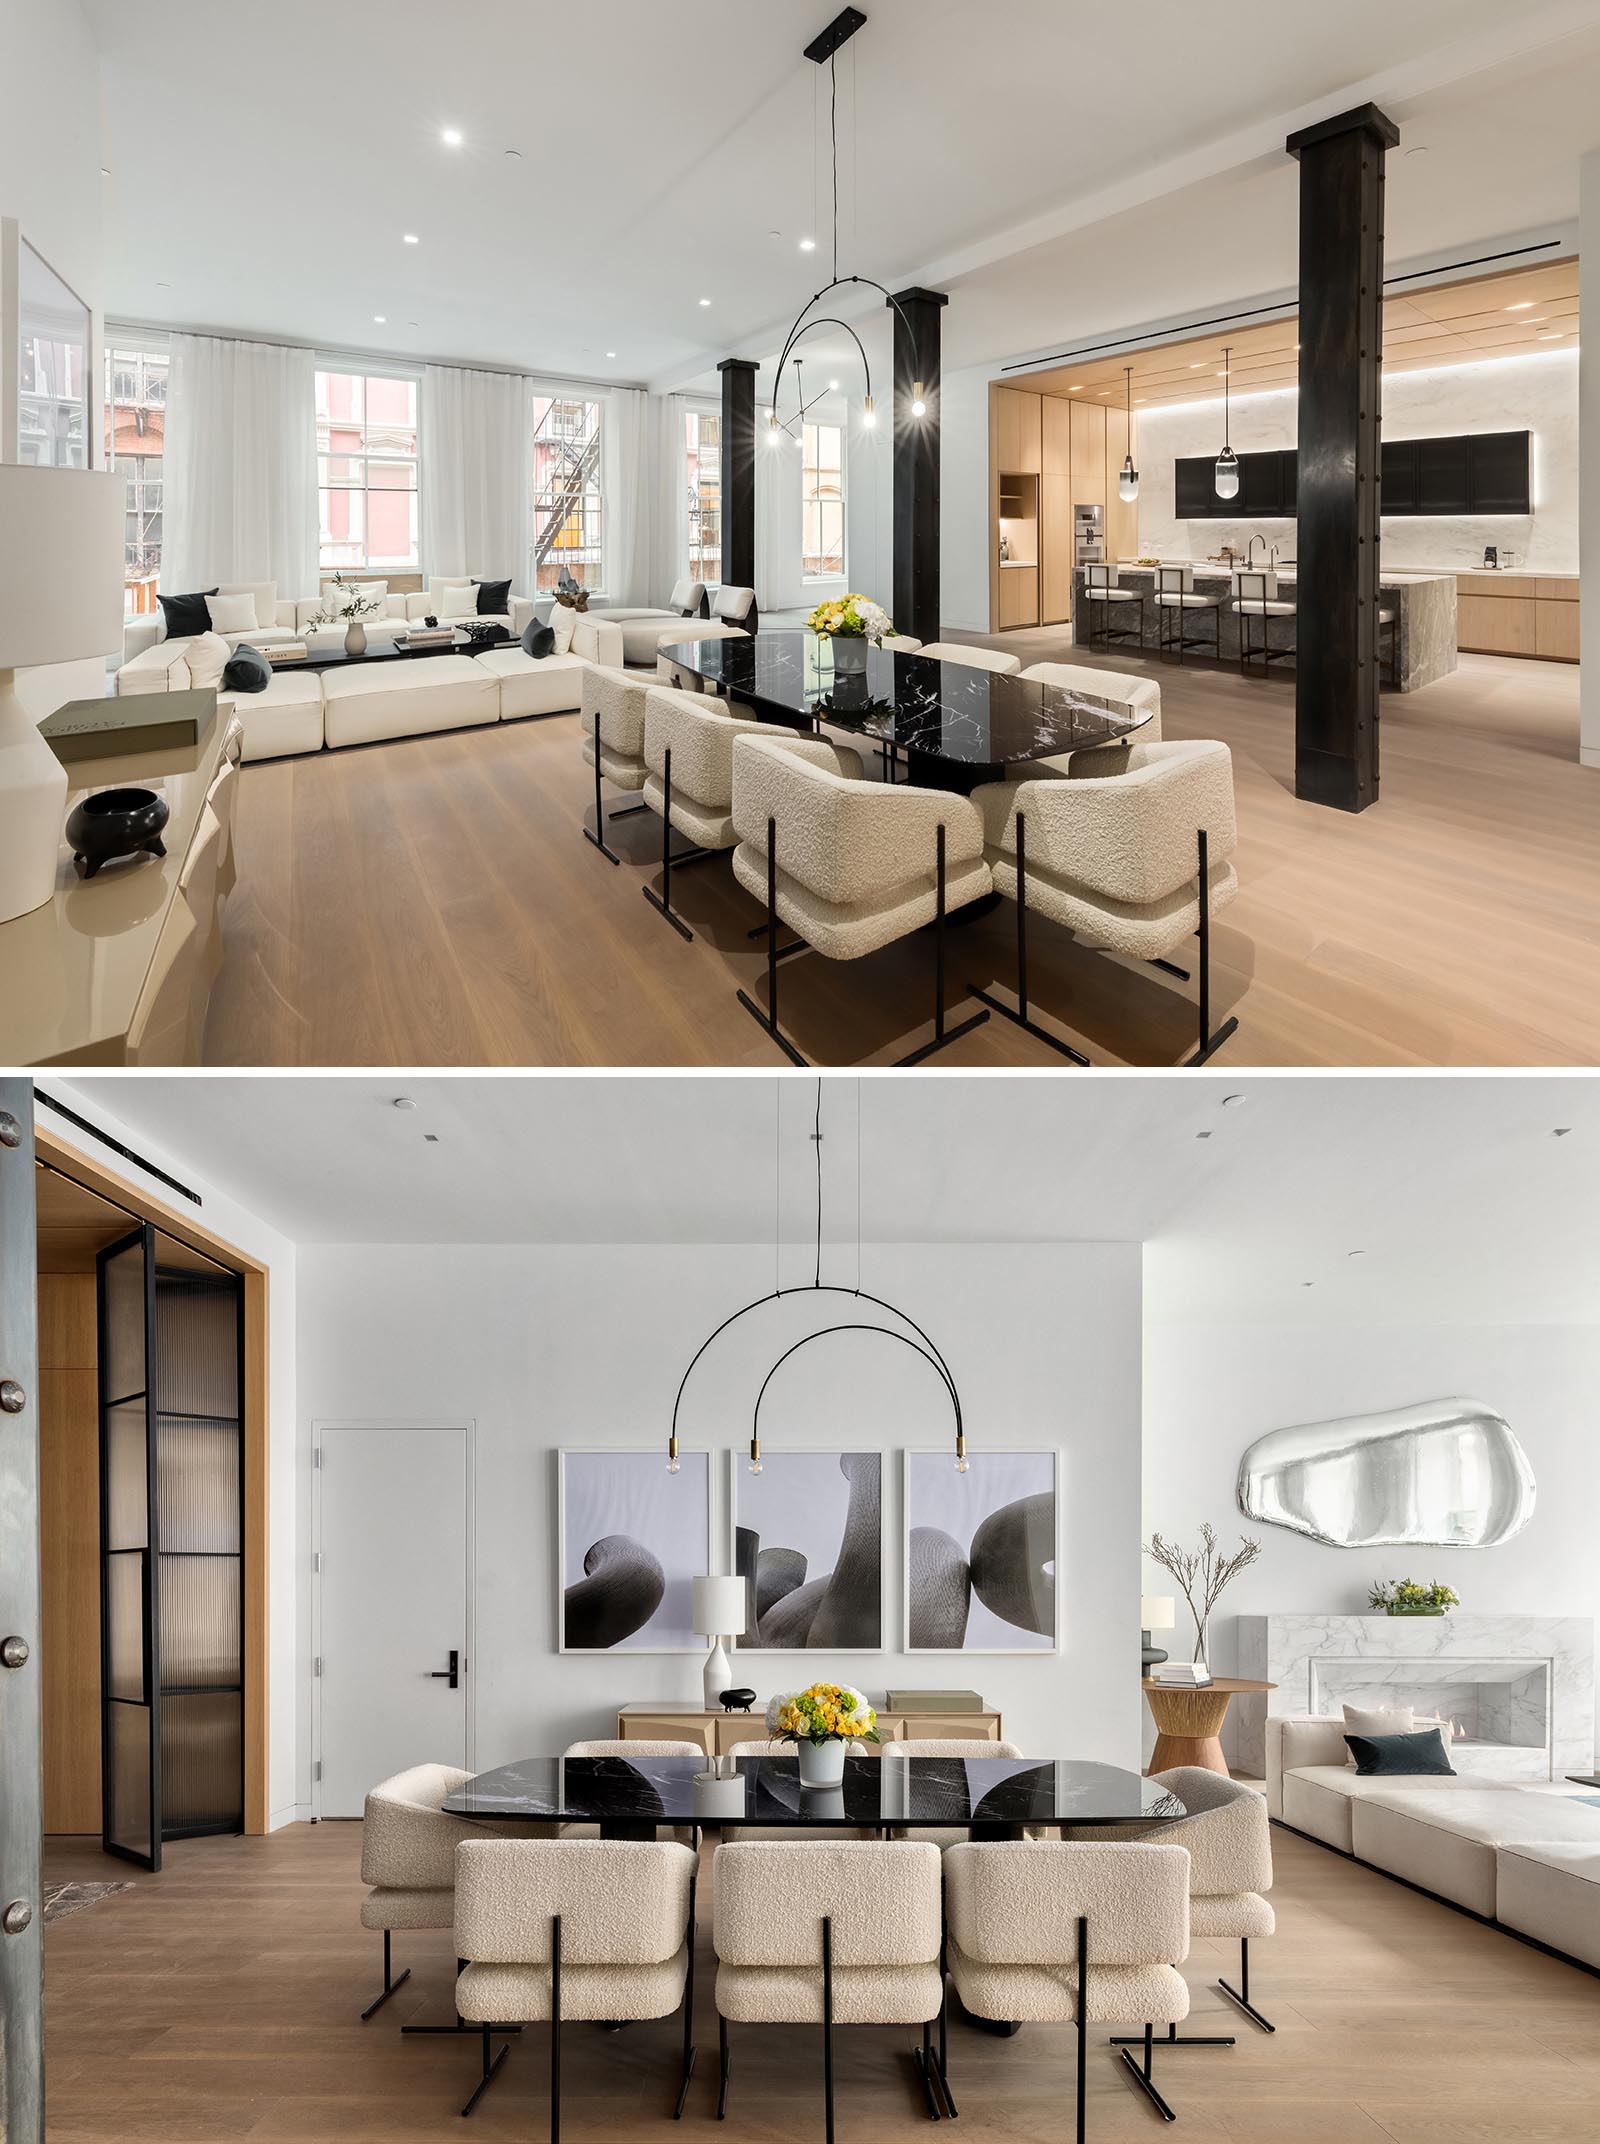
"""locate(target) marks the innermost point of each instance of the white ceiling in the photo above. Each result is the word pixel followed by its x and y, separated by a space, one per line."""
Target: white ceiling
pixel 265 163
pixel 1458 1197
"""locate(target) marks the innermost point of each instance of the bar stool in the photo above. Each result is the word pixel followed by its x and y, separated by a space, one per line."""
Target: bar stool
pixel 1102 587
pixel 1255 595
pixel 1175 597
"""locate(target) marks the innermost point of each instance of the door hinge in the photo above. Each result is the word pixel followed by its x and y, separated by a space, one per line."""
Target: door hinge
pixel 316 1560
pixel 316 1665
pixel 316 1455
pixel 316 1769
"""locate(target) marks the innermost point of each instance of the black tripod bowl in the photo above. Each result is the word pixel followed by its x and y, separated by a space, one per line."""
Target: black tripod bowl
pixel 116 822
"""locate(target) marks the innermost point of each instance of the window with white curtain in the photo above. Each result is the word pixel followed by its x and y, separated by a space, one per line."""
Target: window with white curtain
pixel 135 425
pixel 822 503
pixel 367 469
pixel 703 475
pixel 568 492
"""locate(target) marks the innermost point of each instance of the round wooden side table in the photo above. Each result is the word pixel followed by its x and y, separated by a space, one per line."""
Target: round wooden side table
pixel 1189 1722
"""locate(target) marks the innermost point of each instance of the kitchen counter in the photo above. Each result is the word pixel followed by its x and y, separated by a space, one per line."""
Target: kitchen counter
pixel 1424 605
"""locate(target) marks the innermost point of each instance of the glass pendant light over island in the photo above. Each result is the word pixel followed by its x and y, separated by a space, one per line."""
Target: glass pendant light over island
pixel 1128 476
pixel 1227 460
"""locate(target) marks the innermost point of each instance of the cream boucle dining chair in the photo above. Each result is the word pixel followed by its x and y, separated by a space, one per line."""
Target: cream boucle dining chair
pixel 688 784
pixel 952 651
pixel 850 865
pixel 1142 695
pixel 627 1750
pixel 600 1930
pixel 1055 1933
pixel 1119 857
pixel 611 717
pixel 829 1935
pixel 1229 1843
pixel 408 1848
pixel 945 1835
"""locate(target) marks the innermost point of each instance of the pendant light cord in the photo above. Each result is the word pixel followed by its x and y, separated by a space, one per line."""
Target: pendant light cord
pixel 833 130
pixel 816 1140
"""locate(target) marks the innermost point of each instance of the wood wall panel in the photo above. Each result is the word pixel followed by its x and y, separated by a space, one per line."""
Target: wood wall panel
pixel 1055 548
pixel 1020 447
pixel 1088 454
pixel 69 1529
pixel 1056 423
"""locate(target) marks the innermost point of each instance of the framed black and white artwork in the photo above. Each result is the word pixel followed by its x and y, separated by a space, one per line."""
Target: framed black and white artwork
pixel 808 1542
pixel 631 1537
pixel 981 1550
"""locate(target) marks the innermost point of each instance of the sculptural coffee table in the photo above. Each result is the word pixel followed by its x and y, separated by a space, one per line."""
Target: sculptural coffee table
pixel 1189 1721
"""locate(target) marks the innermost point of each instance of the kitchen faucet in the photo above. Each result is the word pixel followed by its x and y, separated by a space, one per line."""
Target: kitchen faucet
pixel 1250 554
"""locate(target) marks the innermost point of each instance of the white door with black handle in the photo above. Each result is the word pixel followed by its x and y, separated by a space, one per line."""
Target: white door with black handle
pixel 393 1584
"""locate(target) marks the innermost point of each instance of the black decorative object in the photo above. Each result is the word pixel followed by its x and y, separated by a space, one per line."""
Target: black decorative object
pixel 1400 1756
pixel 483 632
pixel 186 616
pixel 247 670
pixel 494 599
pixel 538 640
pixel 116 822
pixel 736 1700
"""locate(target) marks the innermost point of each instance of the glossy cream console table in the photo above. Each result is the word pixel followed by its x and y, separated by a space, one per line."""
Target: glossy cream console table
pixel 717 1732
pixel 117 970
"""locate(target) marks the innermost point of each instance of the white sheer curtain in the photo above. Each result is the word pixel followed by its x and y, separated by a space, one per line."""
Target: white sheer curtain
pixel 477 474
pixel 628 490
pixel 669 472
pixel 779 520
pixel 240 467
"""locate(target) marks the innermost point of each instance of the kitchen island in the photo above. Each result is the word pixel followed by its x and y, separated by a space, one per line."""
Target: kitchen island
pixel 1424 605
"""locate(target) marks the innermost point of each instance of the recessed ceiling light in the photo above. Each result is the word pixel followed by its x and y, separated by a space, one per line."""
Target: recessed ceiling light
pixel 1523 305
pixel 808 245
pixel 515 155
pixel 1199 365
pixel 163 286
pixel 402 1101
pixel 1076 390
pixel 1355 1254
pixel 430 1138
pixel 413 323
pixel 1552 335
pixel 105 171
pixel 1308 1284
pixel 409 238
pixel 833 387
pixel 451 137
pixel 1234 1101
pixel 1202 1135
pixel 1561 1131
pixel 379 319
pixel 705 301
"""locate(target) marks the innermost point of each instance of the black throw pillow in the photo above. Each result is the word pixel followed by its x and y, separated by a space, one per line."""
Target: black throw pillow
pixel 247 670
pixel 538 640
pixel 186 615
pixel 1391 1756
pixel 494 599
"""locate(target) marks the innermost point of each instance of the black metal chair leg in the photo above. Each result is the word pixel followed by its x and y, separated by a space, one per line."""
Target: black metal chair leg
pixel 1175 2039
pixel 769 1019
pixel 389 1985
pixel 941 1034
pixel 724 2065
pixel 1082 2005
pixel 460 2025
pixel 1241 1994
pixel 1209 1043
pixel 555 2029
pixel 827 2028
pixel 1144 2078
pixel 1020 1017
pixel 491 2064
pixel 662 901
pixel 948 2096
pixel 688 2011
pixel 596 833
pixel 922 2062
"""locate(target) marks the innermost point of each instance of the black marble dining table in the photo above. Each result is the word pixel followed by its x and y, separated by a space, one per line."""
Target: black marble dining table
pixel 988 1797
pixel 958 725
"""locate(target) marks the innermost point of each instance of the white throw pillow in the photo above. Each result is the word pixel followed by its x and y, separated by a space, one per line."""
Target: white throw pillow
pixel 207 658
pixel 232 614
pixel 458 600
pixel 263 593
pixel 563 623
pixel 1379 1720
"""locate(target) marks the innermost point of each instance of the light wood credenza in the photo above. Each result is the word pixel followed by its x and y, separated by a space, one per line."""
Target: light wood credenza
pixel 717 1732
pixel 1518 614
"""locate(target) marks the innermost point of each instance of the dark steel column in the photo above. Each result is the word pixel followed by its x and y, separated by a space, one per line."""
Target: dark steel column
pixel 917 337
pixel 1341 357
pixel 739 470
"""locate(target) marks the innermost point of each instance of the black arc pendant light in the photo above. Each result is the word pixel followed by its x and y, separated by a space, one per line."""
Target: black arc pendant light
pixel 1128 476
pixel 1227 460
pixel 823 51
pixel 855 1309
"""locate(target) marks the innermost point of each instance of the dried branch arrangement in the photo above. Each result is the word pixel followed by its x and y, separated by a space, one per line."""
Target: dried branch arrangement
pixel 1202 1573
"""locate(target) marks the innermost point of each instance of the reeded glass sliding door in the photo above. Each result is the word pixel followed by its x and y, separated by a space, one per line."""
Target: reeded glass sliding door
pixel 171 1545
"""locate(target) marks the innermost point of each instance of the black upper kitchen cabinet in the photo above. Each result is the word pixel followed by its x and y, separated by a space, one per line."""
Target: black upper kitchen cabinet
pixel 1399 493
pixel 1444 476
pixel 1477 473
pixel 1500 473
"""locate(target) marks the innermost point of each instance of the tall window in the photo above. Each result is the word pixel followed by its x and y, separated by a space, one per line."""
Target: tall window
pixel 367 469
pixel 136 410
pixel 566 490
pixel 703 469
pixel 822 540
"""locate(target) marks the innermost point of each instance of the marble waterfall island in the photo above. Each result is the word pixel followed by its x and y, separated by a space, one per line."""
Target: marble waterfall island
pixel 1424 605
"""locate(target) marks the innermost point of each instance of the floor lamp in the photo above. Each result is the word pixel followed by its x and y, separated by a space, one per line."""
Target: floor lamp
pixel 61 569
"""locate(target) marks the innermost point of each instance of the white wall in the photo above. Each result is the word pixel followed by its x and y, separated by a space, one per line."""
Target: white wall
pixel 1211 1390
pixel 1537 394
pixel 1589 447
pixel 964 500
pixel 227 1219
pixel 549 1347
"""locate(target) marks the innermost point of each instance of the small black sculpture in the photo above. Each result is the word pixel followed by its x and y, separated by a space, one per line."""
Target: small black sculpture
pixel 116 822
pixel 737 1700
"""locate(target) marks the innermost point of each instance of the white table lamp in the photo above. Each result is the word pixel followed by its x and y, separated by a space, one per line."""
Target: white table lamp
pixel 1157 1611
pixel 719 1605
pixel 61 551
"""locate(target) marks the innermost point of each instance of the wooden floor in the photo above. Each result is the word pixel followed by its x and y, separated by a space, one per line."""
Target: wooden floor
pixel 221 1999
pixel 429 902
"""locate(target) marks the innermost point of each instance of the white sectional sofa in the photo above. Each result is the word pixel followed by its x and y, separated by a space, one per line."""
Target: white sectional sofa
pixel 303 710
pixel 277 621
pixel 1528 1857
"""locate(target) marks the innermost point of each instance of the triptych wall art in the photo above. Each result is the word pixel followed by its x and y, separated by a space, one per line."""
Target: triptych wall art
pixel 807 1535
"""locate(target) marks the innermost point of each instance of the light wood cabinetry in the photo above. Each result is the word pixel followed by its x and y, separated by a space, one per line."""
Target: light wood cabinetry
pixel 1056 428
pixel 1088 454
pixel 1048 454
pixel 1518 614
pixel 1019 596
pixel 1018 426
pixel 717 1732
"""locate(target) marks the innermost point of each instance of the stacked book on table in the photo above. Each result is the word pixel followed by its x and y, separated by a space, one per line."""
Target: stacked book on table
pixel 430 636
pixel 286 651
pixel 1181 1674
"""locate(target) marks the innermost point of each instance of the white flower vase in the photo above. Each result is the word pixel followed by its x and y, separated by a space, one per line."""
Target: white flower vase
pixel 355 638
pixel 821 1764
pixel 849 654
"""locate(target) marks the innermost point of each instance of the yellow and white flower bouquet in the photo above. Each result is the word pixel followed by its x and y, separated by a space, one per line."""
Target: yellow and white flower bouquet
pixel 851 617
pixel 822 1721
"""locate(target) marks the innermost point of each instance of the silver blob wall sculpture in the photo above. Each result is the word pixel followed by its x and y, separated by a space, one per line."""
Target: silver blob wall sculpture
pixel 1444 1473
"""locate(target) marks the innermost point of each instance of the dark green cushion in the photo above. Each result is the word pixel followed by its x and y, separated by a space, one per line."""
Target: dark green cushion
pixel 1394 1756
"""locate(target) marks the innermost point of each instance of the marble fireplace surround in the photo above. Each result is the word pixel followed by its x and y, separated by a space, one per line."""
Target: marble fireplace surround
pixel 1522 1685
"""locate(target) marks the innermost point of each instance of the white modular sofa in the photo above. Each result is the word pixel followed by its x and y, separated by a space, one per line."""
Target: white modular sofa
pixel 303 710
pixel 1527 1857
pixel 292 618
